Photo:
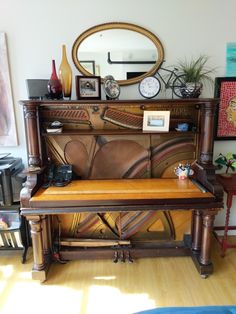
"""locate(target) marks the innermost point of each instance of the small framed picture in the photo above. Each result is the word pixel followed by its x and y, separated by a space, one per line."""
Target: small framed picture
pixel 225 122
pixel 88 87
pixel 156 121
pixel 89 66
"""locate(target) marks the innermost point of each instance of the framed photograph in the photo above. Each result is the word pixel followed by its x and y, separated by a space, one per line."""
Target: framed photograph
pixel 156 121
pixel 89 66
pixel 225 122
pixel 88 87
pixel 8 136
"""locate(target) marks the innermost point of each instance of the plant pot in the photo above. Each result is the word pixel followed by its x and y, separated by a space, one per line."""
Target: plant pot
pixel 191 90
pixel 226 175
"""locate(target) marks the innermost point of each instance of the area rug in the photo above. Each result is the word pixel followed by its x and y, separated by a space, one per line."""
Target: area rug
pixel 230 309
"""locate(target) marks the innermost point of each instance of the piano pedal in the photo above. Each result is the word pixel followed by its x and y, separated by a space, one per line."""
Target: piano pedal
pixel 115 259
pixel 57 258
pixel 122 257
pixel 128 257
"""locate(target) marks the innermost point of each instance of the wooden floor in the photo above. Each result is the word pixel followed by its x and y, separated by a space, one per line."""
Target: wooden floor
pixel 89 287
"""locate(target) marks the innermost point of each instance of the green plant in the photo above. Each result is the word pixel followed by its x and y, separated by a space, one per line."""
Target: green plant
pixel 196 70
pixel 228 160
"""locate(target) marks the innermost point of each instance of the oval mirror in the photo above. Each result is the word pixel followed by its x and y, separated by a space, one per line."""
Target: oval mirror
pixel 126 51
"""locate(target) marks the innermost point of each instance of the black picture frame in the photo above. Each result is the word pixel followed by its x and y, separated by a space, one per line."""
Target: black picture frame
pixel 88 87
pixel 130 75
pixel 225 121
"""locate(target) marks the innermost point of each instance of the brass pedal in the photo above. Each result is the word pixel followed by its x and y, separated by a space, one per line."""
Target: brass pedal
pixel 128 257
pixel 122 257
pixel 116 257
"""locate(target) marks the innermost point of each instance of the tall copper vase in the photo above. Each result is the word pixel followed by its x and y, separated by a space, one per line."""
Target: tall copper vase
pixel 65 75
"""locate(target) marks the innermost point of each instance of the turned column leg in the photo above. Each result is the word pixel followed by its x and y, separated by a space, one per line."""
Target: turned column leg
pixel 196 232
pixel 49 229
pixel 41 265
pixel 207 131
pixel 208 220
pixel 32 134
pixel 37 243
pixel 46 235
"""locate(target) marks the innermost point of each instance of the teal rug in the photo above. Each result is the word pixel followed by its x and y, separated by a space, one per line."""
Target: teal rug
pixel 231 309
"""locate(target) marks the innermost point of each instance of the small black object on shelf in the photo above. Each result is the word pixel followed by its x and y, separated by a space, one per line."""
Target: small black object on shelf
pixel 58 175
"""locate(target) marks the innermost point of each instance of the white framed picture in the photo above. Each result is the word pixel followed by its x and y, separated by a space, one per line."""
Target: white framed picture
pixel 156 121
pixel 8 136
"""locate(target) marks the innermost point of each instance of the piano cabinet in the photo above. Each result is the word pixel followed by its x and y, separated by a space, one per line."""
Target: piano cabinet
pixel 124 201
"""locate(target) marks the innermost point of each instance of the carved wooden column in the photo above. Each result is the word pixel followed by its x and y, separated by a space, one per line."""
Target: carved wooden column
pixel 32 134
pixel 196 230
pixel 208 220
pixel 46 229
pixel 207 132
pixel 37 242
pixel 40 266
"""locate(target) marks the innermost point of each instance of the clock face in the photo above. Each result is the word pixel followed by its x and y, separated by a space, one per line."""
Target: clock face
pixel 112 89
pixel 149 87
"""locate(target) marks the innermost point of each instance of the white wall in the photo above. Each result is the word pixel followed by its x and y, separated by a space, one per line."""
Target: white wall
pixel 36 31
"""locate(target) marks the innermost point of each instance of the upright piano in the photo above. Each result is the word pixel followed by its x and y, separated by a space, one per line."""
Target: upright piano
pixel 124 200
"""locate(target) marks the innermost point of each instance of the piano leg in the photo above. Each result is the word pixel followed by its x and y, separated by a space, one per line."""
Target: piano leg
pixel 196 231
pixel 46 232
pixel 208 221
pixel 202 257
pixel 40 266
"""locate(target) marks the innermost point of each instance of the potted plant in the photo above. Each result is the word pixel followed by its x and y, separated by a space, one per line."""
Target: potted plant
pixel 228 160
pixel 193 74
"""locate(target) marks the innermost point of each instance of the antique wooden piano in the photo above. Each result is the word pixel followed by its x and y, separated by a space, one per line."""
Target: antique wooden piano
pixel 124 201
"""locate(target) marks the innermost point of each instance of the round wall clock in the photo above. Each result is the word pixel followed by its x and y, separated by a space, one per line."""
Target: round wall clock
pixel 149 87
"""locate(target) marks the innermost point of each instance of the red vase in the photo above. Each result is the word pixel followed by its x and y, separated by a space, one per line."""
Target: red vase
pixel 54 84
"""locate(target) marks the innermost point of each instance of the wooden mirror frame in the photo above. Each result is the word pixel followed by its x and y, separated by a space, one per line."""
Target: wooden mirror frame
pixel 118 25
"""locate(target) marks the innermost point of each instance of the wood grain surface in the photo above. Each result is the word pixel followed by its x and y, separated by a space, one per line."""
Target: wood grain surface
pixel 121 189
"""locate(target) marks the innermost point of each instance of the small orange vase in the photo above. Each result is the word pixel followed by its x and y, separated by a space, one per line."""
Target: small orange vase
pixel 65 75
